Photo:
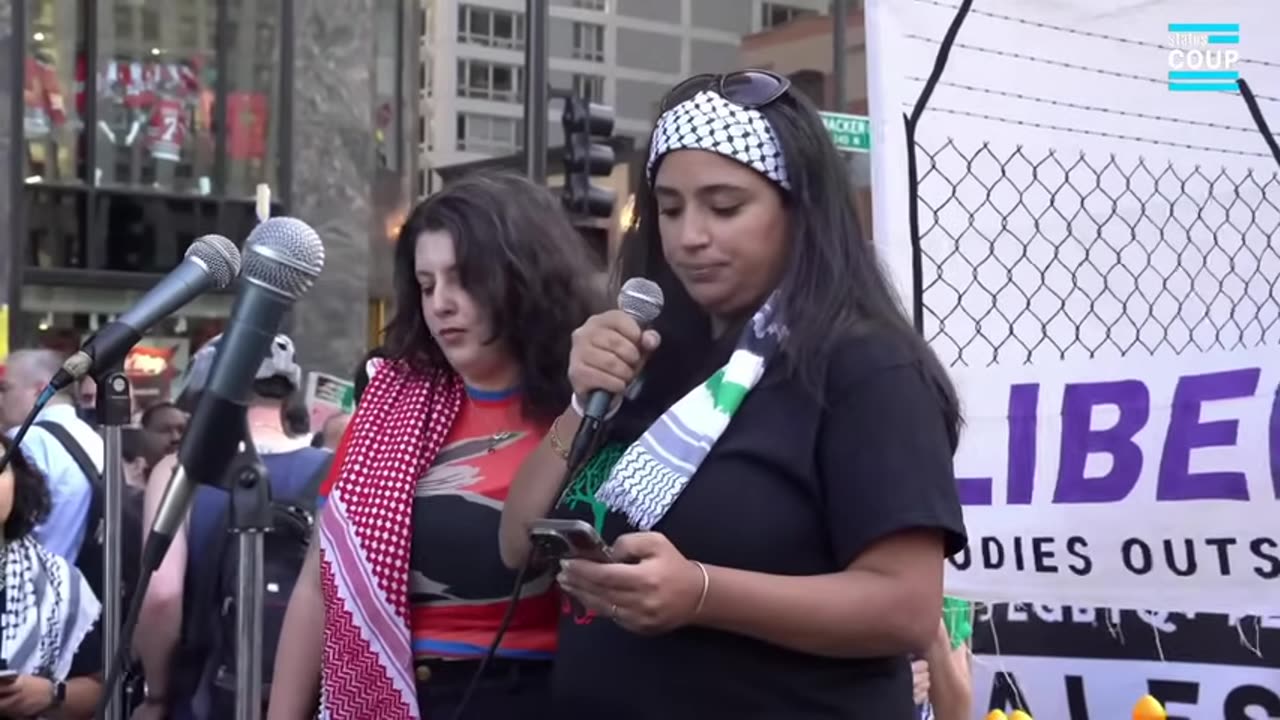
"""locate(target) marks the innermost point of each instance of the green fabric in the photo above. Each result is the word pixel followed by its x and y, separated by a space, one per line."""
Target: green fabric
pixel 582 491
pixel 958 616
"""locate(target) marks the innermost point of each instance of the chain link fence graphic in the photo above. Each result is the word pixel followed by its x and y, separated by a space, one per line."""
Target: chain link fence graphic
pixel 1033 255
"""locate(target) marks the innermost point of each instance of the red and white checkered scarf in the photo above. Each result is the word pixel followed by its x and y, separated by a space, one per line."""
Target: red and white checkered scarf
pixel 403 419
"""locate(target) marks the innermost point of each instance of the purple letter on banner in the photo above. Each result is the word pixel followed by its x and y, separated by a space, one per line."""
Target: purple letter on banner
pixel 1186 433
pixel 1023 406
pixel 1079 440
pixel 1275 443
pixel 1024 403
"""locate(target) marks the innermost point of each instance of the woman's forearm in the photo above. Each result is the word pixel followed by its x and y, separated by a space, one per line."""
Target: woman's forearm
pixel 854 613
pixel 295 687
pixel 534 490
pixel 950 681
pixel 155 639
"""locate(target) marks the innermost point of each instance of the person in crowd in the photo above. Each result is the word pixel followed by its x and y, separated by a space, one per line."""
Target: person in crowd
pixel 27 374
pixel 87 400
pixel 490 280
pixel 50 613
pixel 331 432
pixel 133 456
pixel 942 679
pixel 164 424
pixel 182 655
pixel 297 417
pixel 779 494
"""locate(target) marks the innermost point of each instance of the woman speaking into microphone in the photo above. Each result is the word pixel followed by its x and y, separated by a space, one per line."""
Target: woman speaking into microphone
pixel 779 495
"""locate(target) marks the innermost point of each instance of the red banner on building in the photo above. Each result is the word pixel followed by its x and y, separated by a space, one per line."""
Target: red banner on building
pixel 247 122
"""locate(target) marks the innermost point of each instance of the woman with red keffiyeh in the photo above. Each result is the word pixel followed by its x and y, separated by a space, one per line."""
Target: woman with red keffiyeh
pixel 490 281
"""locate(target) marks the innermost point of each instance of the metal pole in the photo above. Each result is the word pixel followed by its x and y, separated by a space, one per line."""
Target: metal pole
pixel 113 478
pixel 114 410
pixel 535 90
pixel 249 626
pixel 839 58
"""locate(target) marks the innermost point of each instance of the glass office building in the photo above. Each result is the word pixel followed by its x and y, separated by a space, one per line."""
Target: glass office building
pixel 136 126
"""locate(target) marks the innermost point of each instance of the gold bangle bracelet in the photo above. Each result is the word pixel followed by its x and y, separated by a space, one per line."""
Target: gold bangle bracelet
pixel 706 585
pixel 557 444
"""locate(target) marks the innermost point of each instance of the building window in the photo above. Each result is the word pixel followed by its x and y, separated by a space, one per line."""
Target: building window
pixel 588 41
pixel 483 80
pixel 601 5
pixel 590 87
pixel 422 131
pixel 491 134
pixel 490 28
pixel 775 14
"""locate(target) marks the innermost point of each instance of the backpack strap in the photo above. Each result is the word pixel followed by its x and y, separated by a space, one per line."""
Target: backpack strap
pixel 73 447
pixel 87 466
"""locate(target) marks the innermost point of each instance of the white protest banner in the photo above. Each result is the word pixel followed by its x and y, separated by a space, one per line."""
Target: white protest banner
pixel 1077 663
pixel 1129 483
pixel 1094 256
pixel 1093 250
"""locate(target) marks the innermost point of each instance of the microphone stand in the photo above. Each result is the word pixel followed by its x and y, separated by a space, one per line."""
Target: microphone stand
pixel 251 517
pixel 115 410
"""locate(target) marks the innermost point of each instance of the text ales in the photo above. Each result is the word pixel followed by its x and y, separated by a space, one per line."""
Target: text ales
pixel 1080 663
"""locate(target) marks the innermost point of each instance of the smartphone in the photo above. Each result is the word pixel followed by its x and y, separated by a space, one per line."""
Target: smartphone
pixel 7 676
pixel 562 539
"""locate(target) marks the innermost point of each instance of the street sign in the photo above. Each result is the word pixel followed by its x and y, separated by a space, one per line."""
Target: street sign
pixel 850 133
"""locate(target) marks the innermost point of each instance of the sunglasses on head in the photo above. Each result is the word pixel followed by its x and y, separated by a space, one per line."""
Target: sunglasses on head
pixel 749 88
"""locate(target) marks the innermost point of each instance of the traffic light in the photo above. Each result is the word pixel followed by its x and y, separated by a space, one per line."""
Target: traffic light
pixel 587 127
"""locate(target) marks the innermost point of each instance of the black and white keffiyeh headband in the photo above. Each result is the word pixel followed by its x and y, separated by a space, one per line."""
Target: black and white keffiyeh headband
pixel 707 121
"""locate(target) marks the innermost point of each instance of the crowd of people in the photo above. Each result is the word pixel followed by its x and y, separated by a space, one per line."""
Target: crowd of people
pixel 51 505
pixel 774 481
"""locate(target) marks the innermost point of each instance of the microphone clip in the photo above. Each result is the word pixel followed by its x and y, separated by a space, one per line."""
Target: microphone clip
pixel 250 488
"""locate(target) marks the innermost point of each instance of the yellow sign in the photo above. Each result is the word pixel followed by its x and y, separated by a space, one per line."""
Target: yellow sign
pixel 4 331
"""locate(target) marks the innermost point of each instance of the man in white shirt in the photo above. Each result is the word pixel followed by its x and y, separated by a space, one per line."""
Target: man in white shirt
pixel 27 373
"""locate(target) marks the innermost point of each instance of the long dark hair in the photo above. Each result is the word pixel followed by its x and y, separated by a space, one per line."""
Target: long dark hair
pixel 522 260
pixel 833 287
pixel 31 501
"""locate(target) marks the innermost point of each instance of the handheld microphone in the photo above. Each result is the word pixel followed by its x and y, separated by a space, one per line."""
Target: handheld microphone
pixel 283 257
pixel 641 299
pixel 212 262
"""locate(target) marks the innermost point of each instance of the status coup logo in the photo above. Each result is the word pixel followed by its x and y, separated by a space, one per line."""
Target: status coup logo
pixel 1203 57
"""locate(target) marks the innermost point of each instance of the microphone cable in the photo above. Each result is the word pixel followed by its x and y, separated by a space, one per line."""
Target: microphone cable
pixel 582 448
pixel 152 556
pixel 521 577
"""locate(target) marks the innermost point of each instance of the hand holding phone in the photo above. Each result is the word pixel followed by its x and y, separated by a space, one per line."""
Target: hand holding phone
pixel 566 539
pixel 8 676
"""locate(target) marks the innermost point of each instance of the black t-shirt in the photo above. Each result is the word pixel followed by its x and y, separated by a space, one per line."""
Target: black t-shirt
pixel 88 657
pixel 797 485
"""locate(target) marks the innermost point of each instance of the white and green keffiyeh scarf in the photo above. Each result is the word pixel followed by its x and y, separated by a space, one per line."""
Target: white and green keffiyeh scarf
pixel 652 473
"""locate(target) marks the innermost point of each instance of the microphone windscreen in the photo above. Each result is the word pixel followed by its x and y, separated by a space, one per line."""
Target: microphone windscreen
pixel 642 299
